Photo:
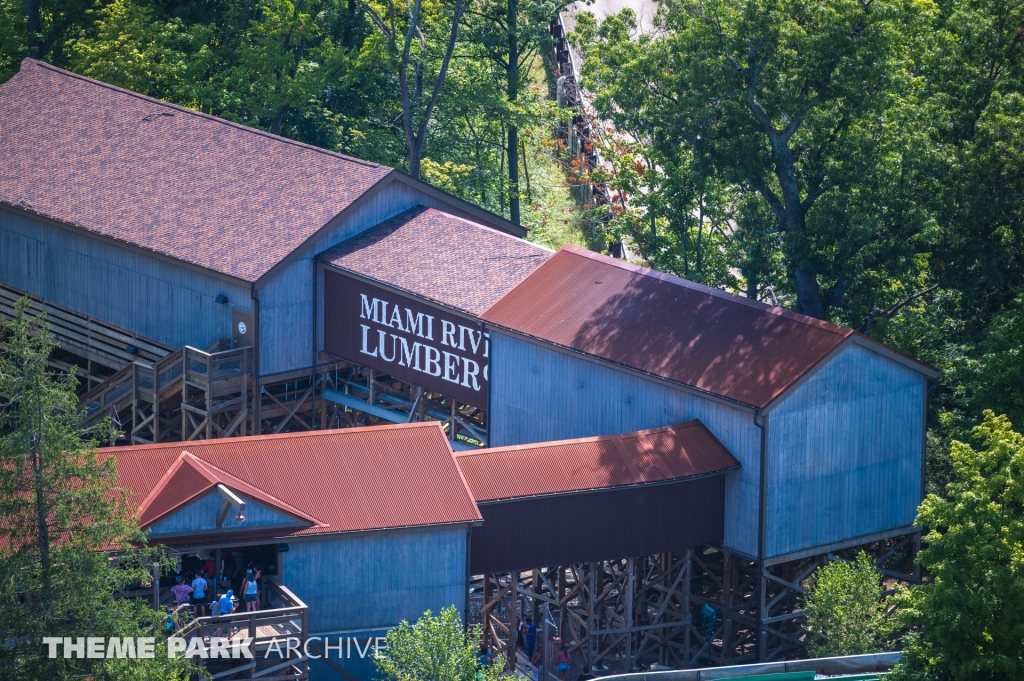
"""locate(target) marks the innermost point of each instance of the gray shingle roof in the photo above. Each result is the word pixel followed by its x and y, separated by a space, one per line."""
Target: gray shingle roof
pixel 440 257
pixel 167 179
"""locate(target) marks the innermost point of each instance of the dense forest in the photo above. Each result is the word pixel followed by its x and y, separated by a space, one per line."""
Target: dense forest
pixel 860 161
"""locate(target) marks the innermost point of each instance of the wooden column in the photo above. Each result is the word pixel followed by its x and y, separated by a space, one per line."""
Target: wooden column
pixel 591 611
pixel 486 612
pixel 630 587
pixel 561 601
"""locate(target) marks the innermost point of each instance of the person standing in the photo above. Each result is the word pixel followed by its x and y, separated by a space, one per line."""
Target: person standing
pixel 226 606
pixel 199 585
pixel 562 661
pixel 530 637
pixel 251 591
pixel 182 591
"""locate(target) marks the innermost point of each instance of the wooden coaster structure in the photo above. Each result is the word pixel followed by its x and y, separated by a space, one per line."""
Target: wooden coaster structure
pixel 356 395
pixel 631 612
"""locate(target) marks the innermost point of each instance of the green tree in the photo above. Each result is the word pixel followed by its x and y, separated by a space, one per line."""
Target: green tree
pixel 38 29
pixel 846 613
pixel 435 649
pixel 970 610
pixel 810 108
pixel 63 517
pixel 511 33
pixel 421 38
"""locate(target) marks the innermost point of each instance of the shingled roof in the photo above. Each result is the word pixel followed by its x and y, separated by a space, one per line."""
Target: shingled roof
pixel 711 340
pixel 440 257
pixel 170 180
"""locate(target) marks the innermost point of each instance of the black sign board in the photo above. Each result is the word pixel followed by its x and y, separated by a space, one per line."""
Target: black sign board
pixel 408 339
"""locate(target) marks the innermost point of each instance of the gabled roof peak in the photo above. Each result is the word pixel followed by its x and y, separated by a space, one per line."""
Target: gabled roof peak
pixel 189 477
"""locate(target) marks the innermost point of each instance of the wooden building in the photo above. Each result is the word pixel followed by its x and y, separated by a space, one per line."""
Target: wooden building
pixel 356 530
pixel 210 280
pixel 180 229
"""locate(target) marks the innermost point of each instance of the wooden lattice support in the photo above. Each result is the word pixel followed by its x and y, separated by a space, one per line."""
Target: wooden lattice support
pixel 614 613
pixel 189 394
pixel 348 394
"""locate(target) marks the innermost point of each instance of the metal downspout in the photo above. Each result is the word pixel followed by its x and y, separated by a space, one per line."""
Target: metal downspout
pixel 760 639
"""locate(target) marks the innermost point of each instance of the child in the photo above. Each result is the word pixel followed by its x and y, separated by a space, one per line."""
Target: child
pixel 182 591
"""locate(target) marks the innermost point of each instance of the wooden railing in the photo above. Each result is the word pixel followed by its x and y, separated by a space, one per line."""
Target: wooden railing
pixel 263 627
pixel 189 394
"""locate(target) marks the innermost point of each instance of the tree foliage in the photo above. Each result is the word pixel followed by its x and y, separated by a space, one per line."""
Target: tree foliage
pixel 838 148
pixel 970 612
pixel 846 613
pixel 63 514
pixel 435 649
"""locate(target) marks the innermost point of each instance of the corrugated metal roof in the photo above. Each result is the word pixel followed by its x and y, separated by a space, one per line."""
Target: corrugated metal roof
pixel 189 477
pixel 343 480
pixel 440 257
pixel 165 178
pixel 669 327
pixel 670 453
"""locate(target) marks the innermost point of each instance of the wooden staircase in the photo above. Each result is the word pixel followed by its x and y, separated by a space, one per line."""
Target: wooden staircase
pixel 190 394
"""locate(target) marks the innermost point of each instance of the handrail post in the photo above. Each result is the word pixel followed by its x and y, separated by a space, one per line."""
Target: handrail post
pixel 209 397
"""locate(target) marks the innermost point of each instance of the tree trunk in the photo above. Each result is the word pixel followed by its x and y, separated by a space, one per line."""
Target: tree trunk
pixel 42 527
pixel 35 28
pixel 809 300
pixel 513 93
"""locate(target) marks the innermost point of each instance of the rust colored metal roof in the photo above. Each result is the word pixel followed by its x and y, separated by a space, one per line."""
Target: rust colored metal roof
pixel 167 179
pixel 685 450
pixel 440 257
pixel 345 480
pixel 190 477
pixel 702 337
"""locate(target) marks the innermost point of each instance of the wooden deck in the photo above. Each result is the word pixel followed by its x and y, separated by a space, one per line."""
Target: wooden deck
pixel 267 628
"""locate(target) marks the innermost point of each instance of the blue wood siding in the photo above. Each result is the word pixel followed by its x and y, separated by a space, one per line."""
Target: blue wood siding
pixel 367 580
pixel 143 294
pixel 286 312
pixel 538 394
pixel 844 452
pixel 202 513
pixel 354 657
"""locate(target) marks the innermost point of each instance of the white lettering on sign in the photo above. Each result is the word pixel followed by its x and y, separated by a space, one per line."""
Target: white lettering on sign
pixel 419 356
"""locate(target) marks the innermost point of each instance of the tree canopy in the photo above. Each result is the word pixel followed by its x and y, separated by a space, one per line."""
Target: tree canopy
pixel 69 539
pixel 830 144
pixel 969 614
pixel 436 648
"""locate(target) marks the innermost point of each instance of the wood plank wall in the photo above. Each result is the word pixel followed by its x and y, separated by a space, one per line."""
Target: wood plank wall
pixel 202 513
pixel 286 311
pixel 366 580
pixel 539 393
pixel 143 294
pixel 845 453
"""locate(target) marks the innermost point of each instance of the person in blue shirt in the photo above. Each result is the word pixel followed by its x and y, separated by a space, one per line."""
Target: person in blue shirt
pixel 531 636
pixel 227 606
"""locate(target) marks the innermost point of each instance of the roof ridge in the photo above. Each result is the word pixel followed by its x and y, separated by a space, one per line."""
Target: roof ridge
pixel 277 500
pixel 431 209
pixel 184 458
pixel 579 440
pixel 200 114
pixel 269 436
pixel 710 290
